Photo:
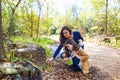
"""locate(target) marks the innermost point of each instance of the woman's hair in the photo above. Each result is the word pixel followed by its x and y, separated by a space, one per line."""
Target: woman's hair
pixel 75 45
pixel 62 38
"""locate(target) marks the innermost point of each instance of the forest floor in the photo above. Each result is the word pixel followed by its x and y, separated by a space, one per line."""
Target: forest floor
pixel 105 64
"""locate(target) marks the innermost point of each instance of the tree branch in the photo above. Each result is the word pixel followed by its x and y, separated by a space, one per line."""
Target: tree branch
pixel 9 4
pixel 17 4
pixel 13 8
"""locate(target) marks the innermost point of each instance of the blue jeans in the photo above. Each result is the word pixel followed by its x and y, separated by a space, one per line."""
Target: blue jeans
pixel 75 60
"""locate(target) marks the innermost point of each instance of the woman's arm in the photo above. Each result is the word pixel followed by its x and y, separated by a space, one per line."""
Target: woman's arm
pixel 57 51
pixel 80 37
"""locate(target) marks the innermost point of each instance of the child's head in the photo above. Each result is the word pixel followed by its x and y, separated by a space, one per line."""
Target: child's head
pixel 71 45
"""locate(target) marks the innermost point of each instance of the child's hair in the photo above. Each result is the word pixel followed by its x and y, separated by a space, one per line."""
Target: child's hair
pixel 75 45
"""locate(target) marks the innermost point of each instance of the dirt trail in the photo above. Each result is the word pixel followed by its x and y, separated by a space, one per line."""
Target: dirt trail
pixel 106 58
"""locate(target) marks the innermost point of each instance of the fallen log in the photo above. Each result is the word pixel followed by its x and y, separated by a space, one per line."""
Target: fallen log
pixel 106 40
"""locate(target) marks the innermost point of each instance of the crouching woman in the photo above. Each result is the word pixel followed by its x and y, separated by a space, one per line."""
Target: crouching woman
pixel 79 57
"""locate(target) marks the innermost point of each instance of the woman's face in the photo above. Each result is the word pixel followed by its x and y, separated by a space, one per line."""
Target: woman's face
pixel 66 33
pixel 69 47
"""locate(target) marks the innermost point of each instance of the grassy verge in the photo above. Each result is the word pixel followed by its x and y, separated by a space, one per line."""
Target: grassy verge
pixel 41 42
pixel 111 44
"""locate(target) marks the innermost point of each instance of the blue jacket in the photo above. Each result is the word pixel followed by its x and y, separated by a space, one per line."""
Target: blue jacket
pixel 76 37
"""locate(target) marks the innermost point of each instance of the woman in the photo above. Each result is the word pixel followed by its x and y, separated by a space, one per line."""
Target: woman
pixel 65 34
pixel 79 57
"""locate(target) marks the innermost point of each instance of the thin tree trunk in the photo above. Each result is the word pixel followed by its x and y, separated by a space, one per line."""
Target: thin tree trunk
pixel 2 51
pixel 38 24
pixel 39 6
pixel 47 18
pixel 106 18
pixel 66 13
pixel 31 24
pixel 11 27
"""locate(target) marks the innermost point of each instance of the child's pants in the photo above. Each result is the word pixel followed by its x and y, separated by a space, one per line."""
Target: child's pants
pixel 75 66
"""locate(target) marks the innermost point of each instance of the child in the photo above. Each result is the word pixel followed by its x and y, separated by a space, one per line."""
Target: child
pixel 78 55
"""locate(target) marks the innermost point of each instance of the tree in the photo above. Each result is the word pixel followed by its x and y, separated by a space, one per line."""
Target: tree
pixel 106 18
pixel 114 18
pixel 39 6
pixel 13 9
pixel 2 51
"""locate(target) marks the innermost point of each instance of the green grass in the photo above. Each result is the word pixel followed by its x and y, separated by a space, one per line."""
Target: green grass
pixel 40 41
pixel 46 67
pixel 111 44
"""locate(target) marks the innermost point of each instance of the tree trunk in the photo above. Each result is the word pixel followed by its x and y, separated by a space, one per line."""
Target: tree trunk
pixel 11 27
pixel 38 24
pixel 39 6
pixel 31 24
pixel 2 51
pixel 47 15
pixel 106 18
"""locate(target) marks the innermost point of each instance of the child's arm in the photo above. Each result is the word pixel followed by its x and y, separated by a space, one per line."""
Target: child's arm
pixel 67 59
pixel 83 56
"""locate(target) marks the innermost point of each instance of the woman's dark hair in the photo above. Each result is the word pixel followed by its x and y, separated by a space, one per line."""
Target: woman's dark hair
pixel 75 45
pixel 62 38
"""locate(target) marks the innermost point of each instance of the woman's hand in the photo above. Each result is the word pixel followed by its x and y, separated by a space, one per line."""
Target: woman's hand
pixel 49 59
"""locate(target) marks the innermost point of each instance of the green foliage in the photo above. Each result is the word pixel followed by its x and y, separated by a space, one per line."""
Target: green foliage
pixel 96 2
pixel 76 16
pixel 112 43
pixel 45 67
pixel 98 40
pixel 40 41
pixel 11 57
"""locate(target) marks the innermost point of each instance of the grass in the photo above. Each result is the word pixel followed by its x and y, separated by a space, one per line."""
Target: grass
pixel 45 67
pixel 39 41
pixel 111 44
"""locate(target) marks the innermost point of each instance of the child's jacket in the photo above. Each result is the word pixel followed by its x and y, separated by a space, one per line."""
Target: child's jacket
pixel 84 58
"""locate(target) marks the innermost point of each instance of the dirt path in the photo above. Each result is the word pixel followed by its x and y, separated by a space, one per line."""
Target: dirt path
pixel 107 59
